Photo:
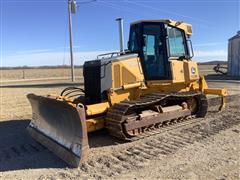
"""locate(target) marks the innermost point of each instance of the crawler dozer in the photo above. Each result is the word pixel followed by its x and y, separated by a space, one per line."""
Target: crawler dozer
pixel 131 93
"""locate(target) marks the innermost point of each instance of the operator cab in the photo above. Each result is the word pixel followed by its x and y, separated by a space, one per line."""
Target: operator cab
pixel 157 42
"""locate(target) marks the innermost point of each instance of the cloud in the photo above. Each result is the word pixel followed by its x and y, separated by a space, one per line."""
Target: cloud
pixel 208 44
pixel 40 58
pixel 50 57
pixel 210 55
pixel 57 49
pixel 33 51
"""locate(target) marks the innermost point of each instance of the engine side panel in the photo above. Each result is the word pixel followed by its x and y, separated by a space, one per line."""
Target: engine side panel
pixel 126 71
pixel 102 75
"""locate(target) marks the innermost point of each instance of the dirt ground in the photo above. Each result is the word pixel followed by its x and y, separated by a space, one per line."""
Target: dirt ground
pixel 207 148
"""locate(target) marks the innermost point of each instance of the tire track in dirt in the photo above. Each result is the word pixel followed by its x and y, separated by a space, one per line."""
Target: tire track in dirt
pixel 159 146
pixel 20 150
pixel 134 156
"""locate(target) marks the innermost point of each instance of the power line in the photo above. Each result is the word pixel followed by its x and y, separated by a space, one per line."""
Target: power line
pixel 165 11
pixel 121 7
pixel 149 1
pixel 117 7
pixel 86 2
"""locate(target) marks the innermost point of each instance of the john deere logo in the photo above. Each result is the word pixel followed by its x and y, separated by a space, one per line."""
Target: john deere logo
pixel 193 69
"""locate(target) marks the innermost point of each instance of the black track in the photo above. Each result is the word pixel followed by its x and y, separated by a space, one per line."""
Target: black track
pixel 119 114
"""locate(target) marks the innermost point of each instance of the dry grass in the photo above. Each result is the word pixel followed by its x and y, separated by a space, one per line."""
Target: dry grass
pixel 16 74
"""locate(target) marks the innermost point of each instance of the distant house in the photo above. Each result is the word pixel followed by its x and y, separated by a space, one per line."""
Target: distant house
pixel 234 55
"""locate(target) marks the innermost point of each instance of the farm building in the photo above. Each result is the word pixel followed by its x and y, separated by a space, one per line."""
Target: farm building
pixel 234 55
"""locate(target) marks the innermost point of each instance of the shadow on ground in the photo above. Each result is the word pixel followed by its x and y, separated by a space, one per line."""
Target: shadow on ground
pixel 102 138
pixel 19 151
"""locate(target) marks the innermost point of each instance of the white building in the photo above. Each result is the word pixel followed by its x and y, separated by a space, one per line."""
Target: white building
pixel 234 55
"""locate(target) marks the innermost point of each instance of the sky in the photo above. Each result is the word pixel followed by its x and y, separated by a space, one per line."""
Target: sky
pixel 35 32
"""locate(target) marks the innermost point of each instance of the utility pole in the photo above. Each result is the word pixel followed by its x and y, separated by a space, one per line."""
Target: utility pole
pixel 71 10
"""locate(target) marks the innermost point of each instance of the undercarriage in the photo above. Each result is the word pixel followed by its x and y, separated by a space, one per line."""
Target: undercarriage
pixel 131 120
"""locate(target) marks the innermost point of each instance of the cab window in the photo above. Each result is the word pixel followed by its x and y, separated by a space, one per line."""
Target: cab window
pixel 154 61
pixel 133 44
pixel 176 42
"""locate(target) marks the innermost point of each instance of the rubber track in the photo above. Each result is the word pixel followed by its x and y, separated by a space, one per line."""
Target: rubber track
pixel 116 115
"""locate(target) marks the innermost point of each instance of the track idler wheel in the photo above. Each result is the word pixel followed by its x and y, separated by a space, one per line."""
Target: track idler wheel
pixel 198 105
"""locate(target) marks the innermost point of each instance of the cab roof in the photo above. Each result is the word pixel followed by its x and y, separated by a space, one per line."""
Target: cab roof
pixel 179 24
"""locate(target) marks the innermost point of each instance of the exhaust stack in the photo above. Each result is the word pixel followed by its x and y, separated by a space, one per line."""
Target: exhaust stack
pixel 121 36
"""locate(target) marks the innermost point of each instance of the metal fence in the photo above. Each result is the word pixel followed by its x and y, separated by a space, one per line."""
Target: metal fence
pixel 234 55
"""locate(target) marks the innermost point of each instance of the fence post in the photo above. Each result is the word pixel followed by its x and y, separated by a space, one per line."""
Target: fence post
pixel 23 73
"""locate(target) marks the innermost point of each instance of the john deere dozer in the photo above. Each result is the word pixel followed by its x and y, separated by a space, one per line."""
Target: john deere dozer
pixel 132 93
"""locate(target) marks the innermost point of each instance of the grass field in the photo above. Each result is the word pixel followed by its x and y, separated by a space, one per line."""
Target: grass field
pixel 18 74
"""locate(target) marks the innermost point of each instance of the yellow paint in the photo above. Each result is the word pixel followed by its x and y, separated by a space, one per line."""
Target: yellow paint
pixel 130 86
pixel 220 92
pixel 95 124
pixel 122 95
pixel 191 72
pixel 127 72
pixel 128 82
pixel 202 84
pixel 177 71
pixel 127 79
pixel 96 109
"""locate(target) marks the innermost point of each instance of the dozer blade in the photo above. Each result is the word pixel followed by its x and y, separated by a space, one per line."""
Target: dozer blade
pixel 60 127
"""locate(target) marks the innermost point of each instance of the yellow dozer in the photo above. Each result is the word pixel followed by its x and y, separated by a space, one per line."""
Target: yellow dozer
pixel 132 93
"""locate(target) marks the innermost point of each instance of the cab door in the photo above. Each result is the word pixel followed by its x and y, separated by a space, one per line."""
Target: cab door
pixel 154 54
pixel 177 51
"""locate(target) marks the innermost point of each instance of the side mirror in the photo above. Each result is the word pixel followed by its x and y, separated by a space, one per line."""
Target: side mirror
pixel 190 48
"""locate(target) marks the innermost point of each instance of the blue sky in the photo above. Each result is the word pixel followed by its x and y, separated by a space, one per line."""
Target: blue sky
pixel 35 32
